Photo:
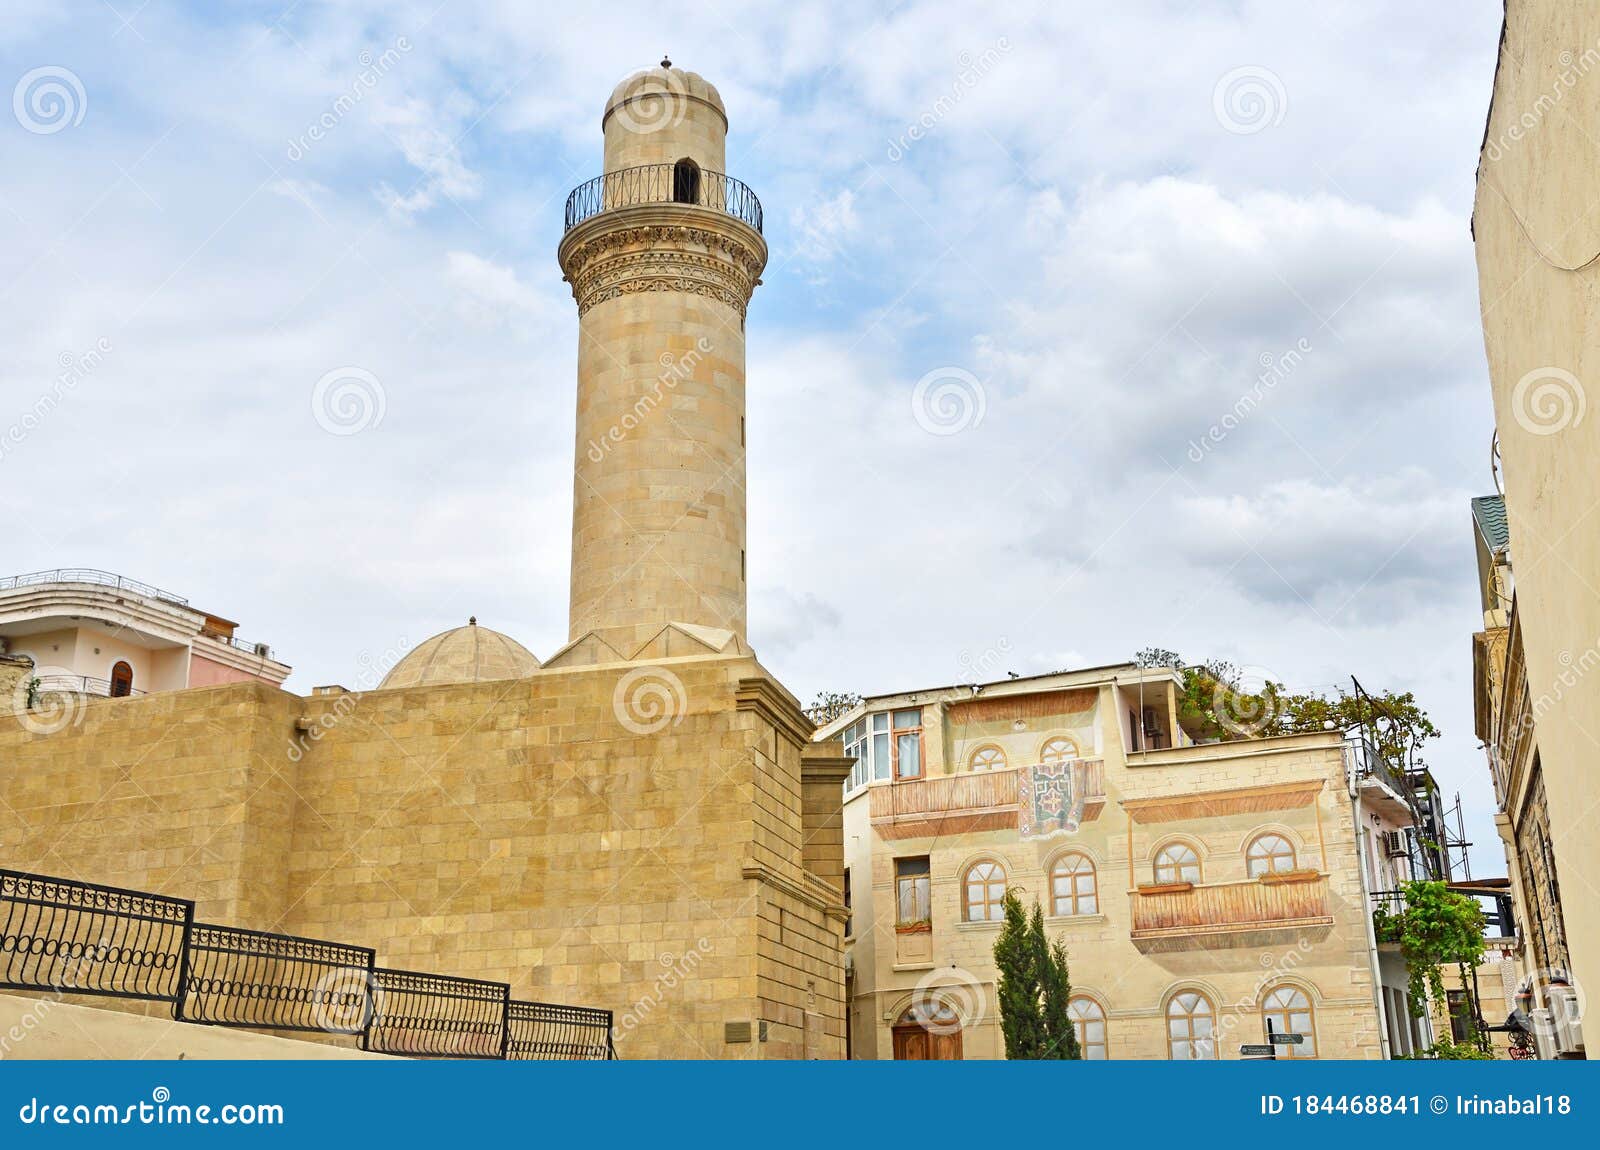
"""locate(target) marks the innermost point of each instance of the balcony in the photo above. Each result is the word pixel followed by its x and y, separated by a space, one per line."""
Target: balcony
pixel 92 576
pixel 957 804
pixel 81 685
pixel 1219 910
pixel 663 184
pixel 1385 789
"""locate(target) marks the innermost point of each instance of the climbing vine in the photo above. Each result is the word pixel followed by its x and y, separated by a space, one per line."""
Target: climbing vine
pixel 1438 926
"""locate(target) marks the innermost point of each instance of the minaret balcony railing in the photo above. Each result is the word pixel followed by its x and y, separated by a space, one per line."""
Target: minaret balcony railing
pixel 663 184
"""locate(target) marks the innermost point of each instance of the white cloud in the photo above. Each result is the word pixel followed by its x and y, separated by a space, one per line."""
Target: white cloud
pixel 1079 233
pixel 429 142
pixel 824 229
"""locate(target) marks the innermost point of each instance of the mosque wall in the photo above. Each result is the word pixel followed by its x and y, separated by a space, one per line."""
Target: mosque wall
pixel 556 832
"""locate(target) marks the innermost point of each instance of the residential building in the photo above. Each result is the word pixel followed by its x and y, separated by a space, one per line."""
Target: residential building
pixel 97 633
pixel 1510 724
pixel 1536 238
pixel 1208 894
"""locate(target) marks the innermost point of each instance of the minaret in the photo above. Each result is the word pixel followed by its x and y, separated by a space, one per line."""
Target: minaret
pixel 663 250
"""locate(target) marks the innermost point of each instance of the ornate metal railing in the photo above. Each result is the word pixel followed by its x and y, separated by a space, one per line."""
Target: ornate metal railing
pixel 663 184
pixel 238 977
pixel 545 1030
pixel 436 1016
pixel 80 938
pixel 90 575
pixel 71 937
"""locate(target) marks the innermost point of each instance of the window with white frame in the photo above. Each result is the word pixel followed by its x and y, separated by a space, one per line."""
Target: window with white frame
pixel 885 745
pixel 867 741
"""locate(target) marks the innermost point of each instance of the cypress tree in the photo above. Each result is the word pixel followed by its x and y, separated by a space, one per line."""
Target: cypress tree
pixel 1056 986
pixel 1034 987
pixel 1021 1021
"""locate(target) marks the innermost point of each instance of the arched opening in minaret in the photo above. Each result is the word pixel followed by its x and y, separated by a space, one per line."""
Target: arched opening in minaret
pixel 686 182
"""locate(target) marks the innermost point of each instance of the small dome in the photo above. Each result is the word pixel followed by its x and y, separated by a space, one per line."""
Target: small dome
pixel 670 80
pixel 470 654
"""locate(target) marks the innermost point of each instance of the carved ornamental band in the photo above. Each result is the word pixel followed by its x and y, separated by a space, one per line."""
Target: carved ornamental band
pixel 602 264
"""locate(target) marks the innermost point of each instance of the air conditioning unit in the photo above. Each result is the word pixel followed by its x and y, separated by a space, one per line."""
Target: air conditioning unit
pixel 1567 1019
pixel 1544 1040
pixel 263 650
pixel 1395 845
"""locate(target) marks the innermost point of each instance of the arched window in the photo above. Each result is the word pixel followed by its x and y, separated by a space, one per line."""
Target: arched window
pixel 1089 1020
pixel 686 182
pixel 1177 862
pixel 1287 1010
pixel 930 1013
pixel 985 891
pixel 1057 751
pixel 121 680
pixel 990 758
pixel 1189 1027
pixel 1072 886
pixel 1268 854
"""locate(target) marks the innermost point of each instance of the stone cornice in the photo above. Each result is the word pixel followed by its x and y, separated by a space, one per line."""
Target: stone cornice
pixel 662 247
pixel 775 705
pixel 819 765
pixel 811 890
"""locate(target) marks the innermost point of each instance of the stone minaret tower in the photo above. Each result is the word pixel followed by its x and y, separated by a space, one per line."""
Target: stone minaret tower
pixel 663 251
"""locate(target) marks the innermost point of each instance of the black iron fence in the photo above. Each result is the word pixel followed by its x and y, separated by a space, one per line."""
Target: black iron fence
pixel 74 937
pixel 663 184
pixel 237 977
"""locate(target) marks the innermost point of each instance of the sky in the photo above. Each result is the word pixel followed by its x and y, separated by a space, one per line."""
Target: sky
pixel 1083 330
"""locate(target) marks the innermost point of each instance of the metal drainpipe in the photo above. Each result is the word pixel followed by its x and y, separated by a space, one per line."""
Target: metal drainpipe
pixel 1366 911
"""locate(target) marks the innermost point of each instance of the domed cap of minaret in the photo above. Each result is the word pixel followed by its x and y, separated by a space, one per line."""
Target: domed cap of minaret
pixel 649 97
pixel 470 654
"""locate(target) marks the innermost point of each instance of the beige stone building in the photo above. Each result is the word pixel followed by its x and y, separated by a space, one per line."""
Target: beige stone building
pixel 635 824
pixel 1537 237
pixel 1509 723
pixel 89 632
pixel 1205 892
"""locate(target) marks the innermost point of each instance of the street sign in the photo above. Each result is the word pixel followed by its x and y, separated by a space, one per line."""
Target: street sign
pixel 1286 1039
pixel 1256 1051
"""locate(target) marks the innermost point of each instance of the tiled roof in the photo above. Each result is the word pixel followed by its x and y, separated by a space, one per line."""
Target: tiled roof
pixel 1489 513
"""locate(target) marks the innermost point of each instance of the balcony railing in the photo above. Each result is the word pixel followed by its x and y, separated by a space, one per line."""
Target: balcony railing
pixel 69 937
pixel 79 685
pixel 245 645
pixel 1181 909
pixel 90 575
pixel 969 801
pixel 663 184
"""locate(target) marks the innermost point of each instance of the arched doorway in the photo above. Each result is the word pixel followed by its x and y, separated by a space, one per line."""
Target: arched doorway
pixel 121 680
pixel 928 1031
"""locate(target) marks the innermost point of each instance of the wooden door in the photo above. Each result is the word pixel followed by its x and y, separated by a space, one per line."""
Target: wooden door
pixel 911 1044
pixel 916 1044
pixel 947 1046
